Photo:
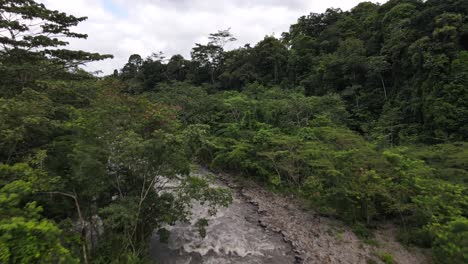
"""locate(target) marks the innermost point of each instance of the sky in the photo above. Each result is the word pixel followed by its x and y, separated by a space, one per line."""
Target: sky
pixel 126 27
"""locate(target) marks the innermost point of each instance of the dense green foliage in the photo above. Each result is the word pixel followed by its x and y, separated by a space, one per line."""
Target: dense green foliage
pixel 83 165
pixel 363 114
pixel 303 144
pixel 31 37
pixel 400 68
pixel 82 150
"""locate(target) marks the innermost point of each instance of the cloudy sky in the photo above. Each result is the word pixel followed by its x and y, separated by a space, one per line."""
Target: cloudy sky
pixel 125 27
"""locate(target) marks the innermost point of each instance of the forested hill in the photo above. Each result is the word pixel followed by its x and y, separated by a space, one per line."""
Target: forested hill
pixel 361 114
pixel 400 67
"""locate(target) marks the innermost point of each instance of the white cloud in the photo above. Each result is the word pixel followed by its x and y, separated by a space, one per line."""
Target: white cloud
pixel 125 27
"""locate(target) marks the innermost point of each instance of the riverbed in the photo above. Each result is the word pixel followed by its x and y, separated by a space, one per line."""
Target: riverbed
pixel 233 236
pixel 264 227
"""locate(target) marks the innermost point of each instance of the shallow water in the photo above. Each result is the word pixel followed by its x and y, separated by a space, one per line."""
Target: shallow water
pixel 233 236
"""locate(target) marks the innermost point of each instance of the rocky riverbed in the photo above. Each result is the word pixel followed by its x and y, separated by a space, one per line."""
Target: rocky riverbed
pixel 262 227
pixel 233 236
pixel 318 239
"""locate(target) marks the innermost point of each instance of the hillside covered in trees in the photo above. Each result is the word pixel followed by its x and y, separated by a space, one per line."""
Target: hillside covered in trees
pixel 362 114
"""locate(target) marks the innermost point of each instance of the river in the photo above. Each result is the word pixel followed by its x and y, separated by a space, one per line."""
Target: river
pixel 233 236
pixel 264 227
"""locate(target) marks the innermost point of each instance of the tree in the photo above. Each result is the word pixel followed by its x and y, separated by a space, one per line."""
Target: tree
pixel 377 67
pixel 270 60
pixel 177 68
pixel 153 71
pixel 25 235
pixel 132 67
pixel 211 55
pixel 452 242
pixel 221 38
pixel 30 37
pixel 238 69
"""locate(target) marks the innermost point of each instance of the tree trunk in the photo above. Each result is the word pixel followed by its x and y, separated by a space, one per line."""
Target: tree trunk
pixel 276 72
pixel 82 222
pixel 383 86
pixel 212 75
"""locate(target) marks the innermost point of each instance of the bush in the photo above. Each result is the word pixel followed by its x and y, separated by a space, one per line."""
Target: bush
pixel 451 242
pixel 362 231
pixel 387 258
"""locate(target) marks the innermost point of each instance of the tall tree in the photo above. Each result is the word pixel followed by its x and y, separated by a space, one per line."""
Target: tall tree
pixel 31 37
pixel 211 55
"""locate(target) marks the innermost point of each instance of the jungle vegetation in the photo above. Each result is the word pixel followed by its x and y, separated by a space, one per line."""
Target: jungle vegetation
pixel 361 113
